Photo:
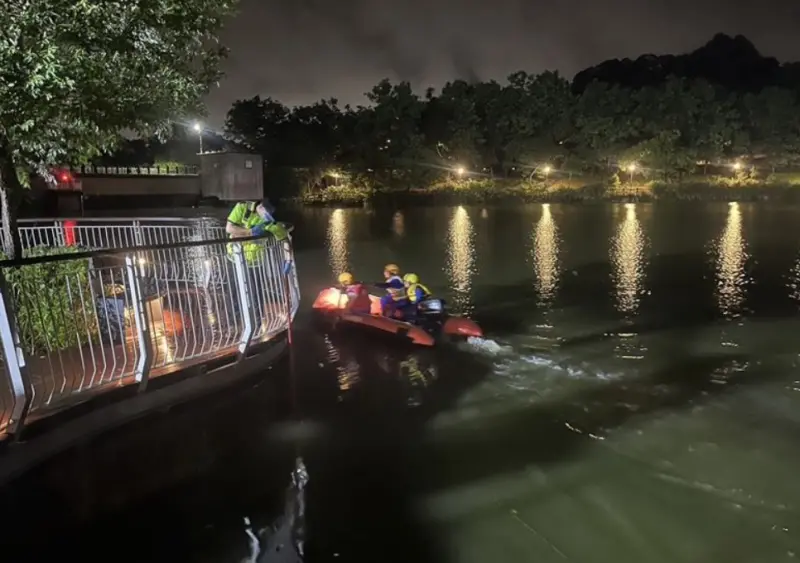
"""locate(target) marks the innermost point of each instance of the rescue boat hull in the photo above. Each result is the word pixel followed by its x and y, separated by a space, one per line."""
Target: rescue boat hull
pixel 332 303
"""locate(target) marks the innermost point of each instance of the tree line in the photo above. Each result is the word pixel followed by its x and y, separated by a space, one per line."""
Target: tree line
pixel 668 128
pixel 77 78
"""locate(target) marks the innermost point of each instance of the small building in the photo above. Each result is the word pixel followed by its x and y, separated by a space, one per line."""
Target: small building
pixel 231 176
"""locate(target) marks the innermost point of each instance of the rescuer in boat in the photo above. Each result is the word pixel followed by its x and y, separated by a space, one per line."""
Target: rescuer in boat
pixel 395 297
pixel 355 294
pixel 416 293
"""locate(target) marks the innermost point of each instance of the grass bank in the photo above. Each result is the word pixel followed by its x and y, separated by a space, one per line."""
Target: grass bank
pixel 778 187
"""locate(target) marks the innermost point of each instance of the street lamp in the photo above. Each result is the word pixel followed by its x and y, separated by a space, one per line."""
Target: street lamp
pixel 547 171
pixel 199 130
pixel 737 165
pixel 460 171
pixel 632 169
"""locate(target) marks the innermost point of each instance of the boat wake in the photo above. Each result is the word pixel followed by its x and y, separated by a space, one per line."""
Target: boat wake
pixel 487 346
pixel 509 361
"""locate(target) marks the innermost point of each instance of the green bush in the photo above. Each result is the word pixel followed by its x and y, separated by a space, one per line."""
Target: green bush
pixel 53 301
pixel 343 194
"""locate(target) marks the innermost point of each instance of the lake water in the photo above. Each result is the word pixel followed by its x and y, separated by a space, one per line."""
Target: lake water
pixel 637 398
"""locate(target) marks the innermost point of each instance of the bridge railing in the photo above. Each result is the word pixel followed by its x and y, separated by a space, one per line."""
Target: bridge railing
pixel 163 170
pixel 77 324
pixel 102 233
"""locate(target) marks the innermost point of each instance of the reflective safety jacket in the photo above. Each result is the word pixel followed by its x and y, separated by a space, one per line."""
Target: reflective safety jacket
pixel 396 288
pixel 245 215
pixel 417 292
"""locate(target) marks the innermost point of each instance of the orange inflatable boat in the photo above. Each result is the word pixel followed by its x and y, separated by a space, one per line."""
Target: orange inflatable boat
pixel 433 321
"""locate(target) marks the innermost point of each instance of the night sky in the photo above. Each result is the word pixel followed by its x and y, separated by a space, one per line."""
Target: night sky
pixel 299 51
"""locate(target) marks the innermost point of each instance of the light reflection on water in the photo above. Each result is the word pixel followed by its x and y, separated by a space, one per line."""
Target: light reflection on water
pixel 354 363
pixel 399 224
pixel 545 255
pixel 794 281
pixel 629 261
pixel 461 260
pixel 338 255
pixel 347 369
pixel 731 260
pixel 419 376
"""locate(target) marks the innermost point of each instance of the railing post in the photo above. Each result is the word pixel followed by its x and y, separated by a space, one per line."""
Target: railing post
pixel 142 325
pixel 14 361
pixel 290 270
pixel 138 238
pixel 59 234
pixel 245 307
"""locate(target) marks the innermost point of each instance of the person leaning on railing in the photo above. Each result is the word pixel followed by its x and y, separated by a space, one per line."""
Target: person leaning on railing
pixel 250 219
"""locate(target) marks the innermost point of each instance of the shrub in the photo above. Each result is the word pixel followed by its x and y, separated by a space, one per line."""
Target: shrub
pixel 53 301
pixel 344 194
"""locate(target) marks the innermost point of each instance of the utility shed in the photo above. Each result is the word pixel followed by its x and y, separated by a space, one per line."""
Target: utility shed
pixel 231 176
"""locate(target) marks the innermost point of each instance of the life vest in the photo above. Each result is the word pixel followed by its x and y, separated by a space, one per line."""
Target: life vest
pixel 411 292
pixel 357 298
pixel 250 218
pixel 353 290
pixel 254 250
pixel 397 293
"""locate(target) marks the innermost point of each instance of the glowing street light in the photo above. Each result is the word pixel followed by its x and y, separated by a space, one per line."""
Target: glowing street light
pixel 460 171
pixel 198 128
pixel 546 169
pixel 336 175
pixel 737 165
pixel 632 169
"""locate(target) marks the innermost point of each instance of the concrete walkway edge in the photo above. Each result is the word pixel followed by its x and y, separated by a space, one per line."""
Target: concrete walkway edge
pixel 25 455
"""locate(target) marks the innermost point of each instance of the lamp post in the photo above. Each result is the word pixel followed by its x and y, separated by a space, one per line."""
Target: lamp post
pixel 460 171
pixel 632 169
pixel 199 130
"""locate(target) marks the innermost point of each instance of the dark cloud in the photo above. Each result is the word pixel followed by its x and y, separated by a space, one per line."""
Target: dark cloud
pixel 302 50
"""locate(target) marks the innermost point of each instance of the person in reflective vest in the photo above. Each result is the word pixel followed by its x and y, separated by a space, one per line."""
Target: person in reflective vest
pixel 250 219
pixel 255 218
pixel 395 297
pixel 416 293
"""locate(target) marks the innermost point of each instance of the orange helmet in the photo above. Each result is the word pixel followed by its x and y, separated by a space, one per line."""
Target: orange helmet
pixel 393 269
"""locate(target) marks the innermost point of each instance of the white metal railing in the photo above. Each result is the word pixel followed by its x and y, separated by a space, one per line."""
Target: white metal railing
pixel 102 233
pixel 79 323
pixel 161 170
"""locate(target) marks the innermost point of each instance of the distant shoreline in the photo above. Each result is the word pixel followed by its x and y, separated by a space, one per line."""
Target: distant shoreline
pixel 557 192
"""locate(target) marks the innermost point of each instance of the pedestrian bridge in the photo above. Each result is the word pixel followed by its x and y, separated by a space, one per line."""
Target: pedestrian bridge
pixel 120 316
pixel 222 175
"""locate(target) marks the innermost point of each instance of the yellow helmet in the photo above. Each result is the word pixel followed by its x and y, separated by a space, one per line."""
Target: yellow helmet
pixel 411 278
pixel 393 269
pixel 346 278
